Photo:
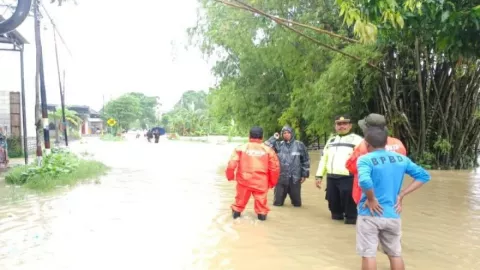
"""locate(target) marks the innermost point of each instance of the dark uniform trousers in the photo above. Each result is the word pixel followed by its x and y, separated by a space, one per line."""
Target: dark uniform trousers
pixel 292 189
pixel 339 197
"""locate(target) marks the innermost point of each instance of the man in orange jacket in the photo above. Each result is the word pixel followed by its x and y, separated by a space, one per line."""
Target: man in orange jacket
pixel 256 169
pixel 393 144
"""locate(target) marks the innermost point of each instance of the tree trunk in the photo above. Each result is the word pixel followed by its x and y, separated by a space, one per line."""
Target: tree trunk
pixel 422 131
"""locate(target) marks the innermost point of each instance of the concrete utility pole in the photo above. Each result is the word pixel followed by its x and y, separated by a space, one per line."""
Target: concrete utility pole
pixel 41 81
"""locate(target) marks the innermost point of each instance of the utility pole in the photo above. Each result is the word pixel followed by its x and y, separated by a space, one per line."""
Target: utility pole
pixel 43 92
pixel 62 93
pixel 38 117
pixel 60 86
pixel 24 112
pixel 103 113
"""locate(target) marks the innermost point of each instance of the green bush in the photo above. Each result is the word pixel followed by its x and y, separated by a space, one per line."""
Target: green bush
pixel 73 133
pixel 110 137
pixel 14 145
pixel 59 168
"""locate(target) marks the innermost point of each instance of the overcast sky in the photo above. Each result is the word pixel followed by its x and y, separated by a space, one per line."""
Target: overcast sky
pixel 117 46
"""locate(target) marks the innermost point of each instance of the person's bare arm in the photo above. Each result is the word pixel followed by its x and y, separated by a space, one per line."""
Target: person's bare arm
pixel 420 177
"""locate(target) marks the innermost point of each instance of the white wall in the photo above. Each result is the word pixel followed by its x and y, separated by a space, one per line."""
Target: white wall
pixel 10 76
pixel 5 111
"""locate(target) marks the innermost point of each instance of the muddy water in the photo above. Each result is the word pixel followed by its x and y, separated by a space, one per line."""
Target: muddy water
pixel 166 206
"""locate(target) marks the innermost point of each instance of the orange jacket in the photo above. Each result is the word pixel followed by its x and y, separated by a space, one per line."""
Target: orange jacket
pixel 393 144
pixel 256 165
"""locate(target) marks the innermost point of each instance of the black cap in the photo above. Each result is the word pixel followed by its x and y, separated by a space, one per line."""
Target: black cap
pixel 342 118
pixel 256 133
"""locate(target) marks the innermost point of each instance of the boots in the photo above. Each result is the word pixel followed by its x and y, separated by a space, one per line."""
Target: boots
pixel 337 216
pixel 236 215
pixel 351 221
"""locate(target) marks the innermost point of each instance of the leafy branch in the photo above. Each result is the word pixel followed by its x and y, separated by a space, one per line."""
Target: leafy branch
pixel 285 23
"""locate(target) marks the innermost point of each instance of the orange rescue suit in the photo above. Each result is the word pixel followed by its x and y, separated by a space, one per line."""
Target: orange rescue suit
pixel 393 144
pixel 256 168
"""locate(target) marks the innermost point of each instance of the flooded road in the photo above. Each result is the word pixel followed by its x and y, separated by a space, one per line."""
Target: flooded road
pixel 167 206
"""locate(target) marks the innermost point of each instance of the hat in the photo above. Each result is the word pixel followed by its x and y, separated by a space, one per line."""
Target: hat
pixel 256 133
pixel 343 118
pixel 373 119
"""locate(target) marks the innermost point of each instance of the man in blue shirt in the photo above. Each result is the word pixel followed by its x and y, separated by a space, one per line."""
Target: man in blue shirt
pixel 381 174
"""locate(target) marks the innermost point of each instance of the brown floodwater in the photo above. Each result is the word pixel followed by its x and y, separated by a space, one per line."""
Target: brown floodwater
pixel 167 206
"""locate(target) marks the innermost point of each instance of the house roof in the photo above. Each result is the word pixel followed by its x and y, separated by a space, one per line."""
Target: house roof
pixel 80 109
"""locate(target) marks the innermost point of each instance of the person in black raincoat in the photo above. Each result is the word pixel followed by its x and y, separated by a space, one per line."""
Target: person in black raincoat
pixel 149 135
pixel 294 166
pixel 156 134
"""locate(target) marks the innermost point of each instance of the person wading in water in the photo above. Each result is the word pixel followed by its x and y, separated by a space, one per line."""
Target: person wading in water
pixel 256 169
pixel 149 135
pixel 393 144
pixel 380 175
pixel 294 166
pixel 339 180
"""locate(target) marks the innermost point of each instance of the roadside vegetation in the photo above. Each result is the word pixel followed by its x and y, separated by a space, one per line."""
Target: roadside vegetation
pixel 60 168
pixel 193 116
pixel 112 138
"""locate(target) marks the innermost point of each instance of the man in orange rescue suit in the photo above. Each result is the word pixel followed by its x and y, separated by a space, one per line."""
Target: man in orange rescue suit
pixel 332 166
pixel 393 144
pixel 257 170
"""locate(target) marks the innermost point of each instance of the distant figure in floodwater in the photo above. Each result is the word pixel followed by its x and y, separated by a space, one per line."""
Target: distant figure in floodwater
pixel 380 175
pixel 295 166
pixel 156 134
pixel 149 135
pixel 255 167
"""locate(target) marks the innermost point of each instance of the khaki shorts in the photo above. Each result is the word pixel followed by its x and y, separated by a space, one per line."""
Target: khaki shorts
pixel 372 230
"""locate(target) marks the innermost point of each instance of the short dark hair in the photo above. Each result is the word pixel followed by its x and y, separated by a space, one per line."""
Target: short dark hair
pixel 376 136
pixel 256 133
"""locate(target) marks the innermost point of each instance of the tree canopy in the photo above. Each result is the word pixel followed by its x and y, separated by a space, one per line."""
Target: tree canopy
pixel 191 116
pixel 132 109
pixel 300 62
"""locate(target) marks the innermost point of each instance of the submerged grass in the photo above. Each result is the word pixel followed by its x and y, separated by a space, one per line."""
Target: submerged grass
pixel 57 169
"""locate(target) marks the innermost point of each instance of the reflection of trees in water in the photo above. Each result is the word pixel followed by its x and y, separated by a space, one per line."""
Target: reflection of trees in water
pixel 474 188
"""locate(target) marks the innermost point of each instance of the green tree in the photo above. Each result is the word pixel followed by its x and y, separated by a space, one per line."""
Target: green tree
pixel 125 110
pixel 263 65
pixel 148 105
pixel 191 117
pixel 71 116
pixel 73 120
pixel 417 63
pixel 197 99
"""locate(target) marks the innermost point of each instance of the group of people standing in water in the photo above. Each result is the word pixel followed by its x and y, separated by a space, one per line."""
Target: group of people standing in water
pixel 364 178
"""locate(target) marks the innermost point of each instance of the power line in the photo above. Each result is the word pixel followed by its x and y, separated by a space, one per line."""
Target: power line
pixel 55 28
pixel 7 7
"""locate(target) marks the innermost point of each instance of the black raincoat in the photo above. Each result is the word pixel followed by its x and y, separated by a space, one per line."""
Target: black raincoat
pixel 294 165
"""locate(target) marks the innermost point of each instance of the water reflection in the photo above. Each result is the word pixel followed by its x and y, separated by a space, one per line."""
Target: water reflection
pixel 166 206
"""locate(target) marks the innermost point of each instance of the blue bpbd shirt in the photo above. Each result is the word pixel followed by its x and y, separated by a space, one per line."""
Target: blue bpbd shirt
pixel 384 171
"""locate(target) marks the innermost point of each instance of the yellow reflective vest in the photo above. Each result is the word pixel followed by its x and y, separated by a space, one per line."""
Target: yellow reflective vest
pixel 336 153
